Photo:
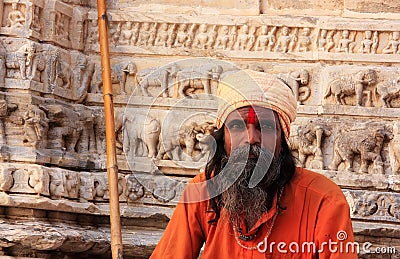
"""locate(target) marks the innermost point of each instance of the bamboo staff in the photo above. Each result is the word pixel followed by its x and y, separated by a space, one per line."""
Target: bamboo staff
pixel 112 169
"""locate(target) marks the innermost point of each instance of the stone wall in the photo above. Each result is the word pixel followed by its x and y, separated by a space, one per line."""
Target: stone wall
pixel 340 57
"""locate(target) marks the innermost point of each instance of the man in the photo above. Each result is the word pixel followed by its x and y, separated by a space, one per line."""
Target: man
pixel 255 203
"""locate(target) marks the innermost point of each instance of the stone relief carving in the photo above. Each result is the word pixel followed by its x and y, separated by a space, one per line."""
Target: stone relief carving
pixel 298 81
pixel 189 80
pixel 36 126
pixel 134 190
pixel 21 182
pixel 140 135
pixel 156 77
pixel 57 179
pixel 307 141
pixel 369 44
pixel 346 42
pixel 120 72
pixel 6 178
pixel 392 46
pixel 61 26
pixel 87 190
pixel 16 18
pixel 266 40
pixel 388 90
pixel 72 184
pixel 36 24
pixel 304 40
pixel 39 180
pixel 367 143
pixel 286 41
pixel 21 59
pixel 352 85
pixel 394 149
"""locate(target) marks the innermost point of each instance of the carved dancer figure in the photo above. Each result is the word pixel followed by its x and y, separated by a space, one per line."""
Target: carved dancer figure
pixel 16 19
pixel 266 40
pixel 222 38
pixel 393 45
pixel 346 44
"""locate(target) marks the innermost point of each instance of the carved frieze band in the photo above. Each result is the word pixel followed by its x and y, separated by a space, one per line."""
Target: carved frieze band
pixel 254 38
pixel 83 187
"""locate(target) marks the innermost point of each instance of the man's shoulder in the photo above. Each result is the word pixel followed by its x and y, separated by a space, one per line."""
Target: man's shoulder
pixel 315 182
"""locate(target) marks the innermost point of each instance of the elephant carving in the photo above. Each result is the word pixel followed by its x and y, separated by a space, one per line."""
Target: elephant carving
pixel 365 142
pixel 297 81
pixel 342 87
pixel 172 146
pixel 388 91
pixel 139 130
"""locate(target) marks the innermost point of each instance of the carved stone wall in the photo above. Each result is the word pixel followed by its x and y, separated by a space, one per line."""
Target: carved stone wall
pixel 341 58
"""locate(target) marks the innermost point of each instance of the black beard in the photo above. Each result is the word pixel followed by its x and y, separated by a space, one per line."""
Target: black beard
pixel 240 200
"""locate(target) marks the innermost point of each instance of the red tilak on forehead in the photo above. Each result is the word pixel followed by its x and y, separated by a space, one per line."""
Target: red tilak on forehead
pixel 251 116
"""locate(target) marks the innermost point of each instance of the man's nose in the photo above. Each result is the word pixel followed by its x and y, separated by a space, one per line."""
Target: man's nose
pixel 254 134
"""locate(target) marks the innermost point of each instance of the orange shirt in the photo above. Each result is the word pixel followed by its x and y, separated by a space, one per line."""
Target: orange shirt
pixel 313 225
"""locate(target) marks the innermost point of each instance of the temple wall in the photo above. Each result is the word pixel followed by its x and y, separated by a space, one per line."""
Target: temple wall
pixel 341 57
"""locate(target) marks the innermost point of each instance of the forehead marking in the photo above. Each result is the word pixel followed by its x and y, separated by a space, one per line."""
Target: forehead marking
pixel 251 116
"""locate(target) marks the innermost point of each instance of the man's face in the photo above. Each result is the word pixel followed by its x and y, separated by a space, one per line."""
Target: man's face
pixel 252 125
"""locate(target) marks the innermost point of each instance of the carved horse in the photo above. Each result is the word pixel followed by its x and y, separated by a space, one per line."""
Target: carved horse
pixel 388 91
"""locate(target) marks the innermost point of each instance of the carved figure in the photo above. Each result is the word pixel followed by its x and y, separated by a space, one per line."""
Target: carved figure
pixel 145 36
pixel 59 71
pixel 297 80
pixel 134 190
pixel 82 72
pixel 375 42
pixel 126 33
pixel 39 180
pixel 284 39
pixel 100 187
pixel 245 39
pixel 366 43
pixel 120 72
pixel 172 145
pixel 393 45
pixel 202 37
pixel 365 142
pixel 6 178
pixel 162 35
pixel 222 38
pixel 394 209
pixel 22 59
pixel 72 185
pixel 204 140
pixel 388 91
pixel 330 43
pixel 56 184
pixel 265 41
pixel 16 19
pixel 36 25
pixel 196 78
pixel 304 40
pixel 65 127
pixel 36 127
pixel 322 40
pixel 156 77
pixel 61 27
pixel 394 149
pixel 346 44
pixel 139 129
pixel 182 36
pixel 86 188
pixel 342 87
pixel 307 141
pixel 232 37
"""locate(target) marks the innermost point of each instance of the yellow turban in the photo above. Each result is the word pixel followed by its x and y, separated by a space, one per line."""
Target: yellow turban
pixel 252 88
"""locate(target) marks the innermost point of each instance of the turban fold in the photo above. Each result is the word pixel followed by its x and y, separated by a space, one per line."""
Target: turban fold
pixel 251 88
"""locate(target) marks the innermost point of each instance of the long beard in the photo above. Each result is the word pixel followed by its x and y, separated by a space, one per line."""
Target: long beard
pixel 239 200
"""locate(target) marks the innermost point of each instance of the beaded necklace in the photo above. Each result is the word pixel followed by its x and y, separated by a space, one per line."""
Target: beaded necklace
pixel 247 238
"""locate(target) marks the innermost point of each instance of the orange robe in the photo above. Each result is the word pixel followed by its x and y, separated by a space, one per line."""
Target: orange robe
pixel 316 210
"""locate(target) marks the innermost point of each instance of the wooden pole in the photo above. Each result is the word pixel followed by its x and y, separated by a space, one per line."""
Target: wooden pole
pixel 112 169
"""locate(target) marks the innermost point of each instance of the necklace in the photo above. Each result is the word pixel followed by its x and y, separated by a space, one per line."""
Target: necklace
pixel 251 237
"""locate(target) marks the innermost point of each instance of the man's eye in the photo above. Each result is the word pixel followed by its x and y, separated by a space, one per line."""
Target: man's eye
pixel 237 125
pixel 267 126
